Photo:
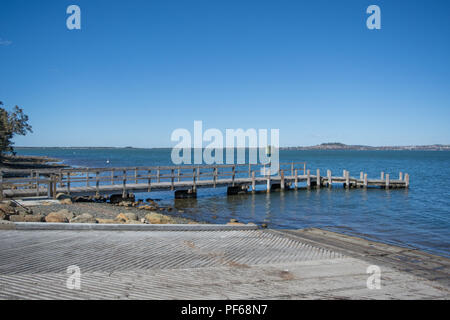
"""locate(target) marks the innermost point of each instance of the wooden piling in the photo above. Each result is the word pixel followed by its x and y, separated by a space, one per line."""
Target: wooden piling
pixel 406 180
pixel 68 182
pixel 233 175
pixel 382 175
pixel 97 184
pixel 318 178
pixel 268 181
pixel 172 180
pixel 330 183
pixel 282 179
pixel 149 182
pixel 308 178
pixel 194 183
pixel 347 179
pixel 296 179
pixel 400 176
pixel 387 181
pixel 124 184
pixel 365 180
pixel 253 181
pixel 36 176
pixel 1 186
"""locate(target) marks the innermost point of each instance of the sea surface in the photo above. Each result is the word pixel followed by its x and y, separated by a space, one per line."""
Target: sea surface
pixel 418 217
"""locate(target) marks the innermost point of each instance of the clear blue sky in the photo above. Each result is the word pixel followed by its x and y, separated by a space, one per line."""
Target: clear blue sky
pixel 139 69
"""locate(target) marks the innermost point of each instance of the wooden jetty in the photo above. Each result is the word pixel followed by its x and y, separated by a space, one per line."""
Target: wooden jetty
pixel 184 180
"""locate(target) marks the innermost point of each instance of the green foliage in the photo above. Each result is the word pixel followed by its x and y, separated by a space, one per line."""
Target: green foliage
pixel 11 123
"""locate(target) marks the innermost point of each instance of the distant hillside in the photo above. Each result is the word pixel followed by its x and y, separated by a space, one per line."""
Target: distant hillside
pixel 342 146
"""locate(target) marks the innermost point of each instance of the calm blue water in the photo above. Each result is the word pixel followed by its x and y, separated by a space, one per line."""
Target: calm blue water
pixel 418 217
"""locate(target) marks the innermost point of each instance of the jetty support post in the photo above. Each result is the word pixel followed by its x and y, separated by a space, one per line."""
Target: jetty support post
pixel 347 179
pixel 194 182
pixel 97 184
pixel 124 184
pixel 296 179
pixel 365 180
pixel 36 177
pixel 253 181
pixel 1 185
pixel 308 178
pixel 400 176
pixel 282 179
pixel 382 175
pixel 268 181
pixel 68 182
pixel 329 178
pixel 318 178
pixel 215 176
pixel 149 180
pixel 158 175
pixel 49 188
pixel 387 180
pixel 233 175
pixel 172 180
pixel 406 180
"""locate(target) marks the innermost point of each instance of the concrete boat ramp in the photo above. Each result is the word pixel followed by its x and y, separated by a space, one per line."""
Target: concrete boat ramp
pixel 233 263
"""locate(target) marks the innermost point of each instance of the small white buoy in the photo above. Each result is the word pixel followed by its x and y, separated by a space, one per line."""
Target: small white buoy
pixel 107 161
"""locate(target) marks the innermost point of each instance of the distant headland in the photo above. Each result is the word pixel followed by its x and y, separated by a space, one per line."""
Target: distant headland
pixel 342 146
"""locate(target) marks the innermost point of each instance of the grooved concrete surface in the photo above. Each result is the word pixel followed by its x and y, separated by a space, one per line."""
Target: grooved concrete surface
pixel 253 264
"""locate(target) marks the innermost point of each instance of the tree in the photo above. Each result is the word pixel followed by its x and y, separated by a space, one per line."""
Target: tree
pixel 11 123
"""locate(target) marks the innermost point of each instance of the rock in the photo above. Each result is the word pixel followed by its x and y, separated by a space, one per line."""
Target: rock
pixel 83 218
pixel 8 208
pixel 81 199
pixel 264 225
pixel 133 222
pixel 126 217
pixel 233 220
pixel 3 216
pixel 62 196
pixel 157 218
pixel 110 221
pixel 126 204
pixel 6 225
pixel 66 201
pixel 27 218
pixel 60 216
pixel 117 198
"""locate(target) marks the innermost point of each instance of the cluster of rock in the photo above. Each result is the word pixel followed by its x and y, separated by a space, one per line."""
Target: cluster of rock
pixel 9 212
pixel 117 200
